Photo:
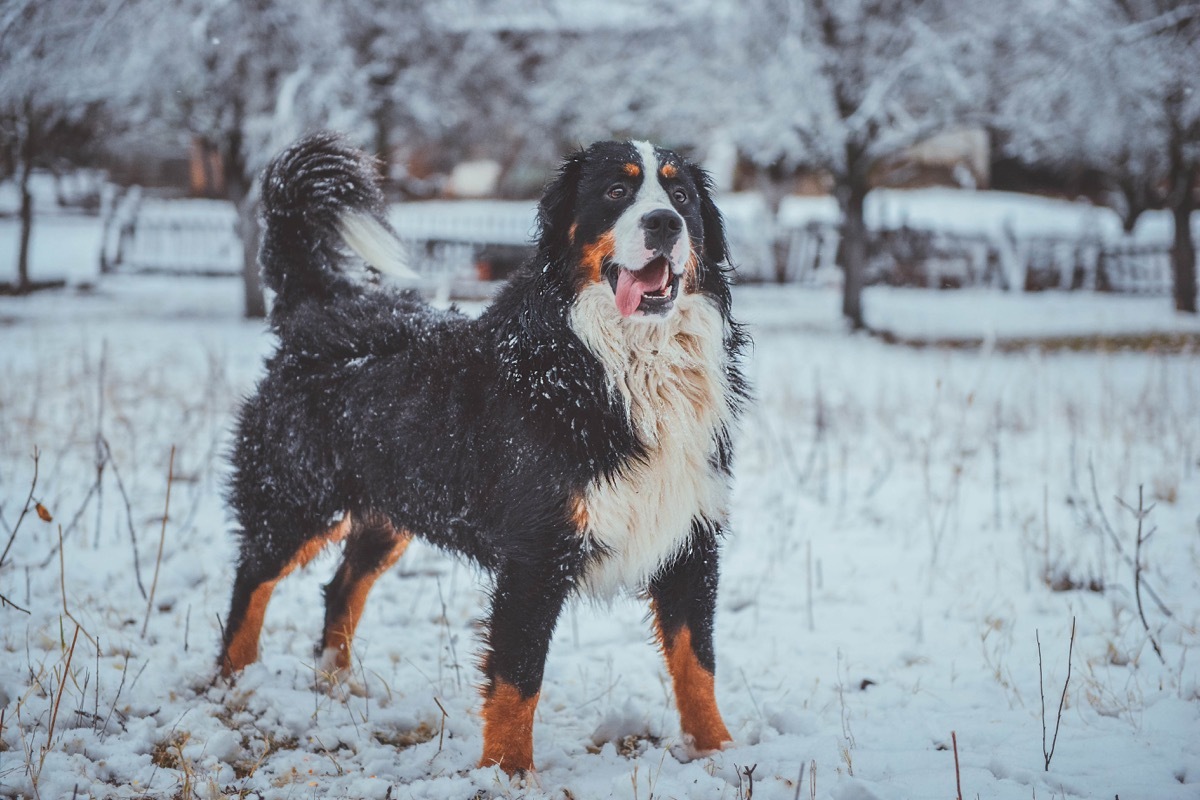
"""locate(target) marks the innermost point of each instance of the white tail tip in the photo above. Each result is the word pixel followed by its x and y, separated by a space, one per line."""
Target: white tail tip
pixel 375 244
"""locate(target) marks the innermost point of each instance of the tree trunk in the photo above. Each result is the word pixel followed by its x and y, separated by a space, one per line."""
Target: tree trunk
pixel 241 189
pixel 256 304
pixel 1183 249
pixel 773 184
pixel 1136 194
pixel 1181 198
pixel 852 195
pixel 26 213
pixel 382 119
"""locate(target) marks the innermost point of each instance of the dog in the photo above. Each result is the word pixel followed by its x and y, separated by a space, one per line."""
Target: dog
pixel 574 439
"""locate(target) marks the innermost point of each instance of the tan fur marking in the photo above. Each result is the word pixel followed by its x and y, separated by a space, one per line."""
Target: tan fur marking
pixel 691 273
pixel 669 170
pixel 243 642
pixel 508 728
pixel 577 506
pixel 694 693
pixel 571 232
pixel 243 645
pixel 593 258
pixel 340 633
pixel 632 170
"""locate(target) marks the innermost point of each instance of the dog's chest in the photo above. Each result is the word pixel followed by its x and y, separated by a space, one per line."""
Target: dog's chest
pixel 671 377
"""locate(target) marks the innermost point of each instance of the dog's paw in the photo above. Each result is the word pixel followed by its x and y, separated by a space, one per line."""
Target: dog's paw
pixel 689 749
pixel 335 677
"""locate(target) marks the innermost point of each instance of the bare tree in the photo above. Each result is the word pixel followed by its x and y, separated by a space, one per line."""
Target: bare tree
pixel 52 93
pixel 1111 87
pixel 843 87
pixel 244 78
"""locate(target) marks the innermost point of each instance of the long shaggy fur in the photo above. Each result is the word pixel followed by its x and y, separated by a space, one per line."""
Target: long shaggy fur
pixel 558 444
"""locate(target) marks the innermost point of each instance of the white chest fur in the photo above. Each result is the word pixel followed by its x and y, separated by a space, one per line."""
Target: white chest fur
pixel 671 377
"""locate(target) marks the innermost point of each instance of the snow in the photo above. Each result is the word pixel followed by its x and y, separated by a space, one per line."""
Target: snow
pixel 894 513
pixel 974 316
pixel 60 247
pixel 991 214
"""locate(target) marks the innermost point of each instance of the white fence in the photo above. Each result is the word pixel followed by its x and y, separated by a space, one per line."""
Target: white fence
pixel 462 240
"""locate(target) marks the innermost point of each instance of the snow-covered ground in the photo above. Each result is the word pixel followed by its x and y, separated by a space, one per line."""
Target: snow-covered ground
pixel 907 525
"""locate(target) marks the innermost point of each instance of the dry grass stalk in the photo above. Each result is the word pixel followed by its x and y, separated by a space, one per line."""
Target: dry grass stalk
pixel 1140 513
pixel 162 536
pixel 62 586
pixel 957 773
pixel 1049 754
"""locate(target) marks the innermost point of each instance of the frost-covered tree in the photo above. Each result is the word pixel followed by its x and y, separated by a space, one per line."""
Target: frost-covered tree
pixel 647 71
pixel 1159 40
pixel 401 54
pixel 245 78
pixel 843 86
pixel 55 84
pixel 1111 86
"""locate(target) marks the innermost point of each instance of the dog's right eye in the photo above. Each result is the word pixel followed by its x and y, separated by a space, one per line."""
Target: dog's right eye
pixel 616 191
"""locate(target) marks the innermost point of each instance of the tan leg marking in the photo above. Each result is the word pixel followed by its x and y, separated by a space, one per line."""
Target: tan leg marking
pixel 243 643
pixel 694 693
pixel 340 633
pixel 508 728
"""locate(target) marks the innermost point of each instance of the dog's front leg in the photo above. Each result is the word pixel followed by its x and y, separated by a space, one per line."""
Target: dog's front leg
pixel 684 599
pixel 526 602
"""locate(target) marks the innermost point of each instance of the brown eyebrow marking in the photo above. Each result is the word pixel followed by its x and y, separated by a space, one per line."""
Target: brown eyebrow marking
pixel 632 170
pixel 669 170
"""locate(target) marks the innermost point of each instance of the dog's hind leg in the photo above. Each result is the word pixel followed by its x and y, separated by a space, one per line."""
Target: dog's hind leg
pixel 257 574
pixel 526 603
pixel 684 599
pixel 371 550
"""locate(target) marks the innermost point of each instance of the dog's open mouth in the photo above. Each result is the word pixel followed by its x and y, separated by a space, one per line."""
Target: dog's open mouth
pixel 651 289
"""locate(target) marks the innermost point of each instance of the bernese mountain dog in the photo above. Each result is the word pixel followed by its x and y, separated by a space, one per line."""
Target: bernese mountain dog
pixel 576 438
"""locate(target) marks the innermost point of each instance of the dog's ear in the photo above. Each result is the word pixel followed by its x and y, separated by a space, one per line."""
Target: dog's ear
pixel 556 211
pixel 715 249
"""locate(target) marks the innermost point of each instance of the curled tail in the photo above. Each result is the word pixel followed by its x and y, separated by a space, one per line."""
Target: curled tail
pixel 322 215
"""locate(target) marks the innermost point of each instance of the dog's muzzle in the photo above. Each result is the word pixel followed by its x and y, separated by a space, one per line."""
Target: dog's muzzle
pixel 662 228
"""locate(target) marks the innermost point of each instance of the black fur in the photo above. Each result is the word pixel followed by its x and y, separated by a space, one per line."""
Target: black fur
pixel 474 434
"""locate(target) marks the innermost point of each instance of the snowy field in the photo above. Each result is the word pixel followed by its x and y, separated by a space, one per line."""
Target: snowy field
pixel 908 525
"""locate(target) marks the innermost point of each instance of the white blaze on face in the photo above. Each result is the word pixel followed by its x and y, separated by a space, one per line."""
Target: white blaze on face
pixel 629 237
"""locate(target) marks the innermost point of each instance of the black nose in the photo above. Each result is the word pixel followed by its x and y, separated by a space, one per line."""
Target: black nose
pixel 662 227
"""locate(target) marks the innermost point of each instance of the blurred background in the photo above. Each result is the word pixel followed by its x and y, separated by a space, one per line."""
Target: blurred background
pixel 1026 145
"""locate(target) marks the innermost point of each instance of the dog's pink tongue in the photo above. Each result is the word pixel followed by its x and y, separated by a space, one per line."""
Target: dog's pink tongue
pixel 632 285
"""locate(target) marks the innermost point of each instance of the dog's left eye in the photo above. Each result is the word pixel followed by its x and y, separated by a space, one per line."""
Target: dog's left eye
pixel 680 196
pixel 616 192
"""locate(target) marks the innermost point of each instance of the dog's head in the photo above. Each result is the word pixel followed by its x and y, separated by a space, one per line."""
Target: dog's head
pixel 635 217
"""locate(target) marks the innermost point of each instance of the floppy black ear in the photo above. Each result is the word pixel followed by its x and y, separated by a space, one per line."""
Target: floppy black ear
pixel 715 249
pixel 556 211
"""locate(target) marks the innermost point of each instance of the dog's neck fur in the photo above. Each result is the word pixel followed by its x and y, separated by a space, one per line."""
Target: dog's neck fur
pixel 672 378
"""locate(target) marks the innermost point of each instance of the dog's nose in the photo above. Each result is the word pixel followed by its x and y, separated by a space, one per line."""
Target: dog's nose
pixel 662 227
